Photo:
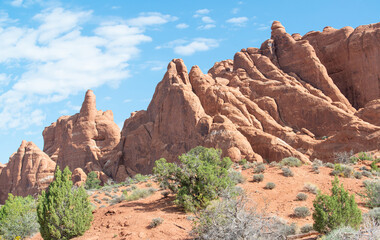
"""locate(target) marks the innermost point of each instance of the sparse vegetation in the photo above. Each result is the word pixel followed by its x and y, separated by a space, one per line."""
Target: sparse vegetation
pixel 302 196
pixel 235 176
pixel 270 185
pixel 243 161
pixel 259 168
pixel 367 173
pixel 375 214
pixel 335 210
pixel 291 162
pixel 301 212
pixel 345 157
pixel 311 188
pixel 139 194
pixel 342 170
pixel 330 165
pixel 287 172
pixel 60 200
pixel 18 217
pixel 372 193
pixel 200 179
pixel 358 175
pixel 306 228
pixel 258 177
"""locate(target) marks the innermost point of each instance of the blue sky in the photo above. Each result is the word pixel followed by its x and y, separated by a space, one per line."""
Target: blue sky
pixel 51 52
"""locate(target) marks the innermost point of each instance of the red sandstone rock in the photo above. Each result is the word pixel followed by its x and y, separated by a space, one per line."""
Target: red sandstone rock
pixel 371 112
pixel 28 171
pixel 82 140
pixel 78 177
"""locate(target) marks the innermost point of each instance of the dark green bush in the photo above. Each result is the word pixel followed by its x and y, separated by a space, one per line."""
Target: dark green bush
pixel 306 228
pixel 243 161
pixel 335 210
pixel 270 185
pixel 372 193
pixel 63 212
pixel 156 222
pixel 18 217
pixel 301 212
pixel 92 181
pixel 200 178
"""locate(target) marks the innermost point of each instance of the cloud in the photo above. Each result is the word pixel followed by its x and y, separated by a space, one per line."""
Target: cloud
pixel 207 19
pixel 238 21
pixel 202 11
pixel 55 60
pixel 151 18
pixel 17 3
pixel 182 26
pixel 235 10
pixel 127 100
pixel 263 27
pixel 197 45
pixel 207 26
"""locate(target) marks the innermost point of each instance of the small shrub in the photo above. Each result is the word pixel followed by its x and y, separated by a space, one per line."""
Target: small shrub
pixel 117 199
pixel 330 165
pixel 342 170
pixel 258 177
pixel 105 199
pixel 345 157
pixel 165 194
pixel 308 187
pixel 274 164
pixel 358 175
pixel 301 196
pixel 342 233
pixel 148 185
pixel 235 176
pixel 335 210
pixel 287 172
pixel 270 185
pixel 97 200
pixel 367 173
pixel 248 165
pixel 317 163
pixel 18 217
pixel 375 214
pixel 301 212
pixel 259 168
pixel 243 161
pixel 108 194
pixel 156 222
pixel 374 166
pixel 306 228
pixel 140 178
pixel 140 193
pixel 365 156
pixel 133 187
pixel 372 193
pixel 291 162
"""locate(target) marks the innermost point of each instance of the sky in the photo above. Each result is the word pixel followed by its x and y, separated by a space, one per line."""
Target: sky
pixel 52 51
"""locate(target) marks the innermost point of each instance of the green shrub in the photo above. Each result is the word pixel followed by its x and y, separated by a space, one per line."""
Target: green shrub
pixel 200 179
pixel 342 170
pixel 358 175
pixel 306 228
pixel 148 185
pixel 259 168
pixel 248 165
pixel 375 214
pixel 287 172
pixel 367 173
pixel 18 217
pixel 365 156
pixel 117 199
pixel 372 193
pixel 301 212
pixel 374 166
pixel 291 162
pixel 92 181
pixel 156 222
pixel 317 163
pixel 140 193
pixel 330 165
pixel 342 233
pixel 140 178
pixel 63 211
pixel 235 176
pixel 345 157
pixel 301 196
pixel 243 161
pixel 270 185
pixel 335 210
pixel 258 177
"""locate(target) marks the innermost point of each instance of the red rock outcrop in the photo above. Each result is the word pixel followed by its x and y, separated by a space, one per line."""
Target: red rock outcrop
pixel 351 57
pixel 28 171
pixel 371 112
pixel 78 177
pixel 84 139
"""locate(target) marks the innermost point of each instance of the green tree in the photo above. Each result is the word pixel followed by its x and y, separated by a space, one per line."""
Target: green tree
pixel 200 178
pixel 335 210
pixel 18 217
pixel 92 181
pixel 63 211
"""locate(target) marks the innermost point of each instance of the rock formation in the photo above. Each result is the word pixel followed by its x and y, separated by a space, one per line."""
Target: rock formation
pixel 84 139
pixel 28 171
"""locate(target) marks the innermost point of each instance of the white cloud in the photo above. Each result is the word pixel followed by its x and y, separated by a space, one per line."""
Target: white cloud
pixel 197 45
pixel 202 11
pixel 182 26
pixel 127 100
pixel 207 26
pixel 108 98
pixel 16 3
pixel 235 10
pixel 263 27
pixel 238 21
pixel 207 19
pixel 57 60
pixel 152 18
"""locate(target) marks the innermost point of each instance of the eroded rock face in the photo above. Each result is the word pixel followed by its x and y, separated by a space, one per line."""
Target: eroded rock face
pixel 84 139
pixel 28 171
pixel 351 57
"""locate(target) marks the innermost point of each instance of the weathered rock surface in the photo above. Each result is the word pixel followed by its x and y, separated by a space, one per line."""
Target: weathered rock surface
pixel 78 177
pixel 84 139
pixel 351 57
pixel 28 171
pixel 371 112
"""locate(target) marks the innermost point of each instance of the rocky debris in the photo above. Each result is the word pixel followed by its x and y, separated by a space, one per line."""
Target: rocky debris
pixel 28 171
pixel 351 57
pixel 83 140
pixel 78 177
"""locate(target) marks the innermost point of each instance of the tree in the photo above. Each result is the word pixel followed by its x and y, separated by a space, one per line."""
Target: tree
pixel 92 181
pixel 338 209
pixel 18 217
pixel 200 178
pixel 63 211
